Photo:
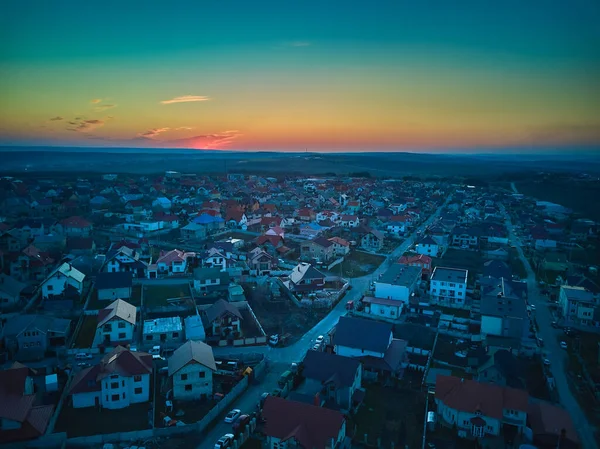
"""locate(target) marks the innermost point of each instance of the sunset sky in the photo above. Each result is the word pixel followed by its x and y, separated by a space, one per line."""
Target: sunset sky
pixel 292 75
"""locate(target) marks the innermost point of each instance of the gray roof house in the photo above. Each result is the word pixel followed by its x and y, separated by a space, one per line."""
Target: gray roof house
pixel 10 290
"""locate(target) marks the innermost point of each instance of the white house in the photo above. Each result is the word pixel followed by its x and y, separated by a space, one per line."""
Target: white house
pixel 428 247
pixel 173 262
pixel 383 307
pixel 162 202
pixel 61 279
pixel 215 258
pixel 578 305
pixel 398 282
pixel 120 379
pixel 479 409
pixel 396 228
pixel 191 369
pixel 448 287
pixel 349 221
pixel 125 259
pixel 341 247
pixel 115 325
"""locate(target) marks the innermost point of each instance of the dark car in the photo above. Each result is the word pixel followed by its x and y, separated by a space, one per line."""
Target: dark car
pixel 241 423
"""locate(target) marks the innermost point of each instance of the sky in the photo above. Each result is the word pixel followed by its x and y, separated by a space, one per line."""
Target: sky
pixel 326 75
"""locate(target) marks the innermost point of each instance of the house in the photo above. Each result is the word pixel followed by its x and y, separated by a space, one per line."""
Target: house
pixel 502 368
pixel 496 269
pixel 31 264
pixel 372 240
pixel 295 424
pixel 399 282
pixel 10 291
pixel 579 306
pixel 167 331
pixel 467 238
pixel 311 230
pixel 304 278
pixel 319 249
pixel 349 221
pixel 162 203
pixel 235 293
pixel 503 309
pixel 116 323
pixel 194 328
pixel 448 287
pixel 272 244
pixel 22 415
pixel 28 337
pixel 353 207
pixel 555 261
pixel 260 262
pixel 427 246
pixel 75 227
pixel 210 222
pixel 479 409
pixel 215 258
pixel 333 379
pixel 417 261
pixel 306 214
pixel 383 307
pixel 372 342
pixel 120 379
pixel 111 286
pixel 396 225
pixel 340 246
pixel 193 231
pixel 210 280
pixel 224 320
pixel 80 245
pixel 62 279
pixel 191 370
pixel 551 426
pixel 173 262
pixel 236 218
pixel 125 259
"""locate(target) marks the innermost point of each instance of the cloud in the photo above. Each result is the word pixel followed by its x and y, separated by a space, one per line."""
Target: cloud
pixel 186 99
pixel 215 141
pixel 84 126
pixel 184 128
pixel 152 133
pixel 56 119
pixel 96 100
pixel 299 44
pixel 104 107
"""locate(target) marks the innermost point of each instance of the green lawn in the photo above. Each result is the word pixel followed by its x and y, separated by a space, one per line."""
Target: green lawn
pixel 392 414
pixel 157 295
pixel 85 337
pixel 358 264
pixel 79 422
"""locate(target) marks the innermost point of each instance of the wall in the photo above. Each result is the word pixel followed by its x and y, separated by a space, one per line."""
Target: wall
pixel 353 352
pixel 390 291
pixel 200 386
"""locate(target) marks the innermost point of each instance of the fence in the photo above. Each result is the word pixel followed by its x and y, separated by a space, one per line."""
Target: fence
pixel 165 432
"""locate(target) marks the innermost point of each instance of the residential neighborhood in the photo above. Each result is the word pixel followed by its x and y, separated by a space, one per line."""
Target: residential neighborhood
pixel 295 311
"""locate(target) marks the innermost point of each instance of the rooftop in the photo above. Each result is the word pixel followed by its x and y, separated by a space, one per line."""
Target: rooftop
pixel 160 325
pixel 399 274
pixel 454 275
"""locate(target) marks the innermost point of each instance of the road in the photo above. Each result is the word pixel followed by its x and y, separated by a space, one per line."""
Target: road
pixel 279 359
pixel 557 356
pixel 513 187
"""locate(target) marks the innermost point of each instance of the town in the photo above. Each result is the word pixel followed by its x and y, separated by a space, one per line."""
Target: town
pixel 247 311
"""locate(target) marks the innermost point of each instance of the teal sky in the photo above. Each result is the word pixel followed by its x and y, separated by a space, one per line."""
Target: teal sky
pixel 288 75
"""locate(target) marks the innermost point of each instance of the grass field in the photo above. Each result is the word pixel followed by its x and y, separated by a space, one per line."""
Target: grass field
pixel 157 295
pixel 358 264
pixel 457 258
pixel 136 299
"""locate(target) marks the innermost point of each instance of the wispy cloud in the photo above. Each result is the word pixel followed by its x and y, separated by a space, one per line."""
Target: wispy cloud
pixel 300 44
pixel 186 99
pixel 96 100
pixel 215 141
pixel 84 126
pixel 152 133
pixel 56 119
pixel 104 107
pixel 184 128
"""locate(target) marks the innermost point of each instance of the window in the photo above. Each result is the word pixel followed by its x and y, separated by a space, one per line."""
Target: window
pixel 202 374
pixel 123 395
pixel 50 287
pixel 175 334
pixel 184 377
pixel 122 336
pixel 114 385
pixel 122 383
pixel 106 398
pixel 114 397
pixel 137 378
pixel 121 325
pixel 458 293
pixel 393 313
pixel 107 328
pixel 188 387
pixel 433 290
pixel 148 337
pixel 138 390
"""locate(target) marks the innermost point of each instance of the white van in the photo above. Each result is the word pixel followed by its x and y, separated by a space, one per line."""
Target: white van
pixel 155 350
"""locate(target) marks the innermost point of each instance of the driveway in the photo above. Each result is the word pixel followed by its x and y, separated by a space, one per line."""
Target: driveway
pixel 557 356
pixel 279 359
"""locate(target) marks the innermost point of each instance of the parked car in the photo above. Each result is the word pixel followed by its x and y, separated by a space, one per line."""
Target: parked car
pixel 83 356
pixel 233 415
pixel 274 340
pixel 225 441
pixel 263 398
pixel 316 347
pixel 320 339
pixel 350 305
pixel 563 345
pixel 241 423
pixel 554 324
pixel 546 362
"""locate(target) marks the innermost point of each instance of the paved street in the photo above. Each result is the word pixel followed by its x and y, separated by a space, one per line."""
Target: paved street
pixel 557 356
pixel 279 359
